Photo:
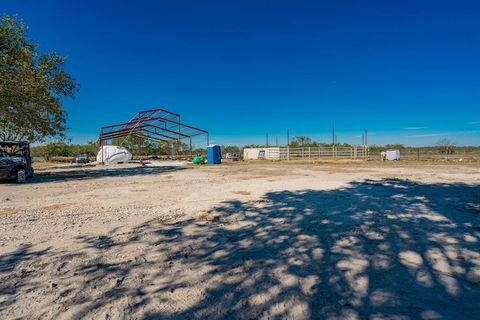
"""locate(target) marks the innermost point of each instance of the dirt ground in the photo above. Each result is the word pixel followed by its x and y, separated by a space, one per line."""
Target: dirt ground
pixel 243 241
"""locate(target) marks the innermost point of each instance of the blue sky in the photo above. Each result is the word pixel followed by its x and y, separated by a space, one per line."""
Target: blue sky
pixel 408 71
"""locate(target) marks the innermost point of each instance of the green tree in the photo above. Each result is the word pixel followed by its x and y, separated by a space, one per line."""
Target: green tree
pixel 446 146
pixel 302 141
pixel 60 149
pixel 231 149
pixel 32 86
pixel 51 149
pixel 394 146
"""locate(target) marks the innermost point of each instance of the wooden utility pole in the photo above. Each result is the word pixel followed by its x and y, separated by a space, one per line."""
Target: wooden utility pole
pixel 333 135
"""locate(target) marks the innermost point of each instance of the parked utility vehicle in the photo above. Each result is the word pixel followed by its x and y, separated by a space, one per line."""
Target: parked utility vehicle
pixel 15 161
pixel 81 158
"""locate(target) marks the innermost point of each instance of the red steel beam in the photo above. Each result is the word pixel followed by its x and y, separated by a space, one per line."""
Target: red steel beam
pixel 182 125
pixel 160 110
pixel 148 118
pixel 148 137
pixel 128 130
pixel 125 134
pixel 168 130
pixel 162 135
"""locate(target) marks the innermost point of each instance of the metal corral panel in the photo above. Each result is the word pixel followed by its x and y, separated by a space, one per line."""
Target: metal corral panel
pixel 306 153
pixel 393 155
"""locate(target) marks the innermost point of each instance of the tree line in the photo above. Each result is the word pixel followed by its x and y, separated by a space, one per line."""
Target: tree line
pixel 142 147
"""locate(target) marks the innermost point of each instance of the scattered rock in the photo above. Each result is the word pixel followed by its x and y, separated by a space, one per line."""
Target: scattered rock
pixel 120 281
pixel 54 285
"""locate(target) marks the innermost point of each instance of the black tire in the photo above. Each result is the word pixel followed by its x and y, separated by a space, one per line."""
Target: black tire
pixel 21 176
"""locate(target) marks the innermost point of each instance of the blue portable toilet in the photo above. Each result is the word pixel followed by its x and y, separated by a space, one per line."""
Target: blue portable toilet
pixel 214 154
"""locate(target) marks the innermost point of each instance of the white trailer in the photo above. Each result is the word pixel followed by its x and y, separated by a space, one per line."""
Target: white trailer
pixel 393 155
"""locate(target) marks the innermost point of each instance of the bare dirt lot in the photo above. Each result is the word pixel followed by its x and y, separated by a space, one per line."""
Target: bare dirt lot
pixel 243 241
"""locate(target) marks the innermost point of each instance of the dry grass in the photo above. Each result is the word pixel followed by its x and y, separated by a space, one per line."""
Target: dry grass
pixel 57 206
pixel 8 211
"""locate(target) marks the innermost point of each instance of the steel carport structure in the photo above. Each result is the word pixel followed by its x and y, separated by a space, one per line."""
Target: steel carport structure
pixel 157 125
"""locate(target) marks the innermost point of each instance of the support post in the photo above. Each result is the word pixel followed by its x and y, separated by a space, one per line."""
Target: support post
pixel 288 144
pixel 178 139
pixel 191 154
pixel 101 148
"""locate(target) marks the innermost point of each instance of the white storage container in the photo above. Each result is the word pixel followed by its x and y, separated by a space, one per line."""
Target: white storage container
pixel 393 155
pixel 113 154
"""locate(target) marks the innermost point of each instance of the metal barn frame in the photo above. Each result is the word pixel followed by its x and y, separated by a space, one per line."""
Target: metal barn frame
pixel 157 125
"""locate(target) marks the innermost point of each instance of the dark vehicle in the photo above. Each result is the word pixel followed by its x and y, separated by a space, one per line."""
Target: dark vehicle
pixel 232 156
pixel 81 158
pixel 15 161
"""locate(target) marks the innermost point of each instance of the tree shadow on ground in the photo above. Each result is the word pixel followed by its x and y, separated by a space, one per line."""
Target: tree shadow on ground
pixel 100 172
pixel 390 249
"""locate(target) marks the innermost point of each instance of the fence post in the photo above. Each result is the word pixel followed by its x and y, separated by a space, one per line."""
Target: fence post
pixel 288 153
pixel 418 154
pixel 309 154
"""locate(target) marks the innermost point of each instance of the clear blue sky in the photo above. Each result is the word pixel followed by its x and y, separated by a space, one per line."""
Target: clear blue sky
pixel 408 71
